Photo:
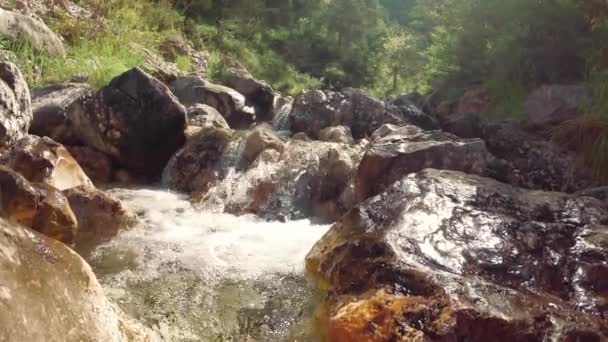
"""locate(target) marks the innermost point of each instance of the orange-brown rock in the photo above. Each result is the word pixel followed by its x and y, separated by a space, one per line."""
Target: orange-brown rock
pixel 374 317
pixel 466 258
pixel 36 205
pixel 42 160
pixel 100 216
pixel 48 293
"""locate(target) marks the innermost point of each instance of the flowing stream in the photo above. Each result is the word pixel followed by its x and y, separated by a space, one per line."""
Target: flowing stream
pixel 195 275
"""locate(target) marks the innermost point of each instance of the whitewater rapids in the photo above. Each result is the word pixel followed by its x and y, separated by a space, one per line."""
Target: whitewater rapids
pixel 195 275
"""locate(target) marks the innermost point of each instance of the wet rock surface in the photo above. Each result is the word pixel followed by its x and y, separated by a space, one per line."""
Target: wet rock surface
pixel 193 89
pixel 258 94
pixel 258 172
pixel 36 205
pixel 48 293
pixel 533 162
pixel 15 104
pixel 100 216
pixel 444 256
pixel 525 158
pixel 42 160
pixel 398 151
pixel 135 119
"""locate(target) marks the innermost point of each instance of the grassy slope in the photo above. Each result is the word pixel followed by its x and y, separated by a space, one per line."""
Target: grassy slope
pixel 102 46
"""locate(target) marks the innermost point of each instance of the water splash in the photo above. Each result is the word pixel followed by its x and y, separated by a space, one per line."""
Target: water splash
pixel 203 276
pixel 280 122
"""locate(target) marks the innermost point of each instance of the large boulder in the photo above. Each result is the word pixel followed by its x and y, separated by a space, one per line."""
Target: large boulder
pixel 35 32
pixel 193 89
pixel 100 216
pixel 42 160
pixel 258 94
pixel 48 293
pixel 51 106
pixel 533 161
pixel 15 104
pixel 554 104
pixel 135 119
pixel 201 115
pixel 314 110
pixel 398 151
pixel 446 256
pixel 260 173
pixel 525 158
pixel 38 206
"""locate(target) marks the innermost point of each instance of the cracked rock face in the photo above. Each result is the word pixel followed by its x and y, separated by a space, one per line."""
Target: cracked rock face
pixel 398 151
pixel 135 119
pixel 15 105
pixel 314 110
pixel 446 256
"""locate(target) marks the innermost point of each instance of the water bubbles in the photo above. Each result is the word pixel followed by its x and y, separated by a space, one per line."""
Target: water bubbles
pixel 197 275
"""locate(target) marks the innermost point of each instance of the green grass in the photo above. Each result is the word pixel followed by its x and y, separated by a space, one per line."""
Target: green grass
pixel 101 49
pixel 184 63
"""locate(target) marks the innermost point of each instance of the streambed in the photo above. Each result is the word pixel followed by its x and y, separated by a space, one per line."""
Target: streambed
pixel 195 275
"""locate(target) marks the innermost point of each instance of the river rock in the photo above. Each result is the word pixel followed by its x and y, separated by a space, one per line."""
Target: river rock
pixel 100 216
pixel 96 165
pixel 35 32
pixel 48 293
pixel 51 106
pixel 135 119
pixel 202 116
pixel 258 141
pixel 257 172
pixel 42 160
pixel 258 94
pixel 442 255
pixel 398 151
pixel 36 205
pixel 339 134
pixel 15 104
pixel 314 110
pixel 554 104
pixel 533 162
pixel 193 89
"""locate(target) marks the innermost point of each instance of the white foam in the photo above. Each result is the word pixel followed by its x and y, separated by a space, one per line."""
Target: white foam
pixel 222 244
